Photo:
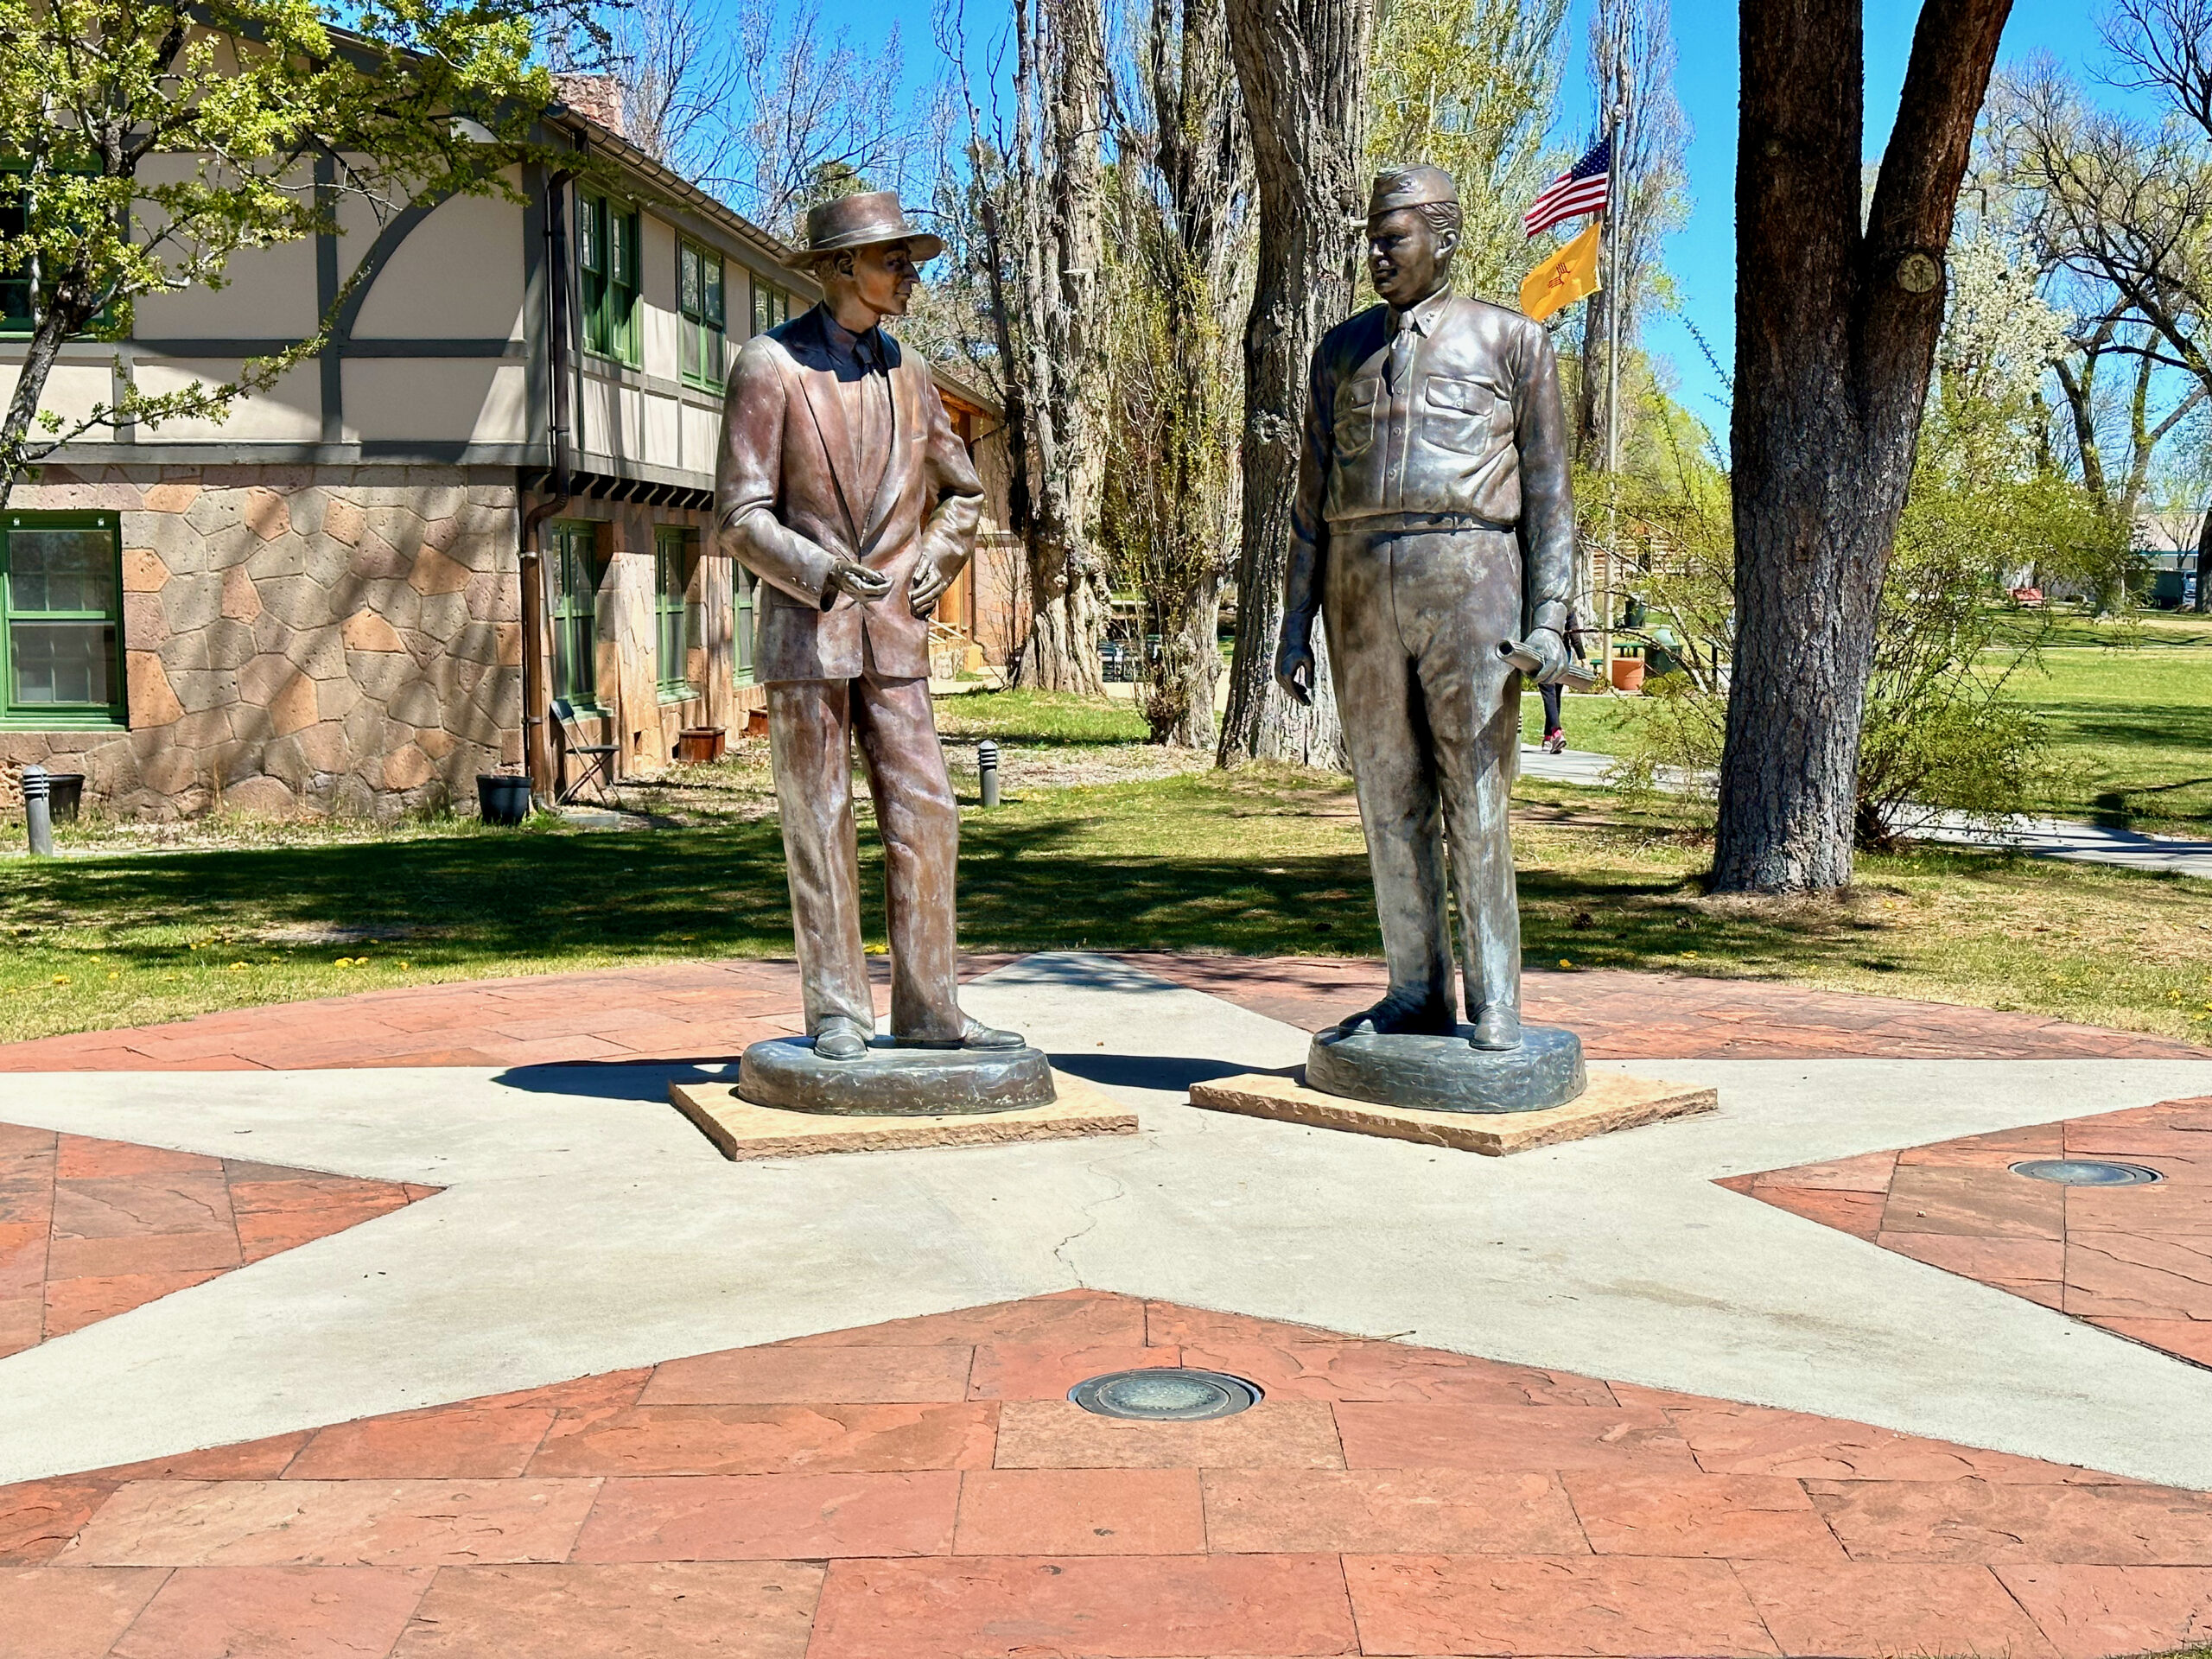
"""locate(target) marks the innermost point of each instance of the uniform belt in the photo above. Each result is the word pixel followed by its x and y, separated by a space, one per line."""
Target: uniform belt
pixel 1418 524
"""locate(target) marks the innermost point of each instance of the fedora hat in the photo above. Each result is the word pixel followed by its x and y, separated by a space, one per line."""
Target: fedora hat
pixel 863 221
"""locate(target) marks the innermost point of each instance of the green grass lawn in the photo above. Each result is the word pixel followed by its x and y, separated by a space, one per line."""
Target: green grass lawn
pixel 1265 860
pixel 2128 706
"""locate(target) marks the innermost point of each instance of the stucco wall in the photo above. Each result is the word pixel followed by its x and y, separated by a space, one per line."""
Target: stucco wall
pixel 333 639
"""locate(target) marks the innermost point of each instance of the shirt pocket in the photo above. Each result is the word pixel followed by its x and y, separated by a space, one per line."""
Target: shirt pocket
pixel 1355 416
pixel 1460 414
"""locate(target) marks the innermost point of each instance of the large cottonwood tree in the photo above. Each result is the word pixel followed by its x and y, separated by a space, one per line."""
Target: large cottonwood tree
pixel 1837 317
pixel 1302 65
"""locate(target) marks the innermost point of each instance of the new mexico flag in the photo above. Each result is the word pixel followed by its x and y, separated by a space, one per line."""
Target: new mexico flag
pixel 1568 275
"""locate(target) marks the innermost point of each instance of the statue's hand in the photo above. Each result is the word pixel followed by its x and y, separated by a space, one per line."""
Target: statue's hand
pixel 1553 657
pixel 926 587
pixel 851 577
pixel 1294 663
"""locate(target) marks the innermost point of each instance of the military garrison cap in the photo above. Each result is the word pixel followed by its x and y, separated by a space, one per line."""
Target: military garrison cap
pixel 1410 187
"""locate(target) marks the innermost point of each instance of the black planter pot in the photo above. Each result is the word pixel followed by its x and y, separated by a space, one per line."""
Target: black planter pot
pixel 502 797
pixel 64 795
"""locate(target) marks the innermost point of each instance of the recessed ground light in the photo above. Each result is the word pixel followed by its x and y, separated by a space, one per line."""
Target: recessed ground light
pixel 1166 1393
pixel 2087 1171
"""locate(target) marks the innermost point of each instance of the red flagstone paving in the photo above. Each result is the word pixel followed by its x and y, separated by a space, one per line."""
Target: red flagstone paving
pixel 1387 1500
pixel 1634 1016
pixel 711 1010
pixel 90 1229
pixel 2135 1260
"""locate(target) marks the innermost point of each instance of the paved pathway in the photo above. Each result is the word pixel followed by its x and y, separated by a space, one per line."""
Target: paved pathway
pixel 925 1490
pixel 2087 844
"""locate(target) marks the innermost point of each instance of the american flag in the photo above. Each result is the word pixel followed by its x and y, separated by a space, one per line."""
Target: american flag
pixel 1580 189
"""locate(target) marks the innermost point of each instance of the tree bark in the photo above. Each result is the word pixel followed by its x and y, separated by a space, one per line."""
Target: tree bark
pixel 1303 68
pixel 1055 179
pixel 1835 335
pixel 2203 601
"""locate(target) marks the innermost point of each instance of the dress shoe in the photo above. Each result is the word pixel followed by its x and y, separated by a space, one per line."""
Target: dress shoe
pixel 1396 1015
pixel 1498 1026
pixel 840 1040
pixel 974 1033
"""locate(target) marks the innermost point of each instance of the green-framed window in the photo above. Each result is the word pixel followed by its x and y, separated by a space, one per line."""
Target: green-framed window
pixel 673 624
pixel 23 286
pixel 745 586
pixel 699 300
pixel 771 305
pixel 20 283
pixel 62 621
pixel 607 253
pixel 574 569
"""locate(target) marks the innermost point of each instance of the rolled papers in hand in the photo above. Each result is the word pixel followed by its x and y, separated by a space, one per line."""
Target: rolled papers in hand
pixel 1577 676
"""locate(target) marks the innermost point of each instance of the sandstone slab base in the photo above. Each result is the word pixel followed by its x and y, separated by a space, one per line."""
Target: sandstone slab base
pixel 741 1130
pixel 1611 1101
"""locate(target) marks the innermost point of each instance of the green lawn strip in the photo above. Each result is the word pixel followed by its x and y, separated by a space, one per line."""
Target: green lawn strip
pixel 2132 731
pixel 2129 725
pixel 1263 861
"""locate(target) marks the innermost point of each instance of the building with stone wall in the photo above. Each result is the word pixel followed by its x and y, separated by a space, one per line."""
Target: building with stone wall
pixel 490 493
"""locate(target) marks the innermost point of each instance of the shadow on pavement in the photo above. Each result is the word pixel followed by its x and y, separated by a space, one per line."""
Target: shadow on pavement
pixel 1169 1073
pixel 614 1079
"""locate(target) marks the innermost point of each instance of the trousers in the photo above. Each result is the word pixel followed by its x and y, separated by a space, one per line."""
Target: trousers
pixel 812 726
pixel 1431 719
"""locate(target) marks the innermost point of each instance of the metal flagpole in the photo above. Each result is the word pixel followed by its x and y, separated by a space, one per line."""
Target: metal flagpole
pixel 1614 117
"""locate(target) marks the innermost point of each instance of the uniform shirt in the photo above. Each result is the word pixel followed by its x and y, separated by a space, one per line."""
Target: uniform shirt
pixel 1462 425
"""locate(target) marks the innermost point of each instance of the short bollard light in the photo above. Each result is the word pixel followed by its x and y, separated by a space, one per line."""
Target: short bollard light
pixel 987 769
pixel 38 813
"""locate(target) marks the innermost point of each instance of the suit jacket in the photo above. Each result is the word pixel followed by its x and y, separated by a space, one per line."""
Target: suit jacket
pixel 787 509
pixel 1474 431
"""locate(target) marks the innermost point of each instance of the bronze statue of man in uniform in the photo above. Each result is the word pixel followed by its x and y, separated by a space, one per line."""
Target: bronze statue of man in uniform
pixel 842 487
pixel 1434 525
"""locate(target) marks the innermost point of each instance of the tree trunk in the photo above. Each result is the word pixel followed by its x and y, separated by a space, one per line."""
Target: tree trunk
pixel 1055 244
pixel 2204 564
pixel 1835 334
pixel 1303 68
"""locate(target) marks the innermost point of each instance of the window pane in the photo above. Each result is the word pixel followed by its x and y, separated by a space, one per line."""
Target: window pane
pixel 60 570
pixel 622 243
pixel 710 353
pixel 712 271
pixel 690 333
pixel 63 662
pixel 590 248
pixel 689 299
pixel 744 642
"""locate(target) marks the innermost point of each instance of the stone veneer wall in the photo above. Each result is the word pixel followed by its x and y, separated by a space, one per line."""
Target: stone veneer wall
pixel 320 639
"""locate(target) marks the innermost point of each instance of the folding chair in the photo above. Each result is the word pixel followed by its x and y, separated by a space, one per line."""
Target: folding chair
pixel 598 758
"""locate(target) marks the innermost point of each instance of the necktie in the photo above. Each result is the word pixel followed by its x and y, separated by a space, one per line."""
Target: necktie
pixel 1401 351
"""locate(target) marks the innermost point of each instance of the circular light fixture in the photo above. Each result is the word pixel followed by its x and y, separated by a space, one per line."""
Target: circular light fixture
pixel 1166 1393
pixel 2087 1171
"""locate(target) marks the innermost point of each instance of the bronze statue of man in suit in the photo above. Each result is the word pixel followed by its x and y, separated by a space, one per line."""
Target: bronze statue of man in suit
pixel 842 487
pixel 1434 523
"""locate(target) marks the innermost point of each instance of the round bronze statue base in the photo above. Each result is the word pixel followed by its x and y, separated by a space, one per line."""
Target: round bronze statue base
pixel 1449 1074
pixel 887 1082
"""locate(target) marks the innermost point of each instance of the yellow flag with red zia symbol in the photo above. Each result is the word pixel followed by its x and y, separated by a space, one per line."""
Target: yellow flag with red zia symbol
pixel 1567 277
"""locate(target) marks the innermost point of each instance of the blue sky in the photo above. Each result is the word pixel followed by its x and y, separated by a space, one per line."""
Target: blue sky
pixel 1702 255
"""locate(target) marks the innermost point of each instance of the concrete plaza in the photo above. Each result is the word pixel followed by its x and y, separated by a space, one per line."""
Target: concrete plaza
pixel 485 1350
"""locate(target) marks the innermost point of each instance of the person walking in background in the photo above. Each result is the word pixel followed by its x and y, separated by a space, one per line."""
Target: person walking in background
pixel 1554 728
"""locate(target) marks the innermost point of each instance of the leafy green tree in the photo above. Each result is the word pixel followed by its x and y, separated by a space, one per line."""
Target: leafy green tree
pixel 1469 85
pixel 152 141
